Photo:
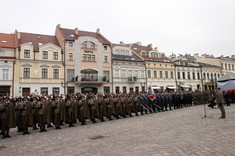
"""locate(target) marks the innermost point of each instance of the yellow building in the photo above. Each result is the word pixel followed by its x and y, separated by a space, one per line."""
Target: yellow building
pixel 160 70
pixel 39 65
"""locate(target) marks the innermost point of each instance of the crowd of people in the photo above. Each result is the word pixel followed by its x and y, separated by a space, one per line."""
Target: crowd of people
pixel 42 112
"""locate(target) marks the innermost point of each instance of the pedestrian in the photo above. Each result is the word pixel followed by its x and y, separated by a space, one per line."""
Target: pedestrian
pixel 220 102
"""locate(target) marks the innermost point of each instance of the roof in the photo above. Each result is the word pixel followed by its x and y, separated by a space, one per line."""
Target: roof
pixel 133 58
pixel 207 65
pixel 228 76
pixel 36 39
pixel 157 59
pixel 69 34
pixel 7 40
pixel 139 48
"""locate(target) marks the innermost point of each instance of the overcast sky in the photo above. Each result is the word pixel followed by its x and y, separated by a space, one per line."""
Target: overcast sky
pixel 174 26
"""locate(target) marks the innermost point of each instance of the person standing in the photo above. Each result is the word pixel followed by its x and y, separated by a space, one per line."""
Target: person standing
pixel 220 102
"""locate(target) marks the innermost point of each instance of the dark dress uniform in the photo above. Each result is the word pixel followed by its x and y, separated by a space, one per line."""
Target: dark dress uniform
pixel 27 116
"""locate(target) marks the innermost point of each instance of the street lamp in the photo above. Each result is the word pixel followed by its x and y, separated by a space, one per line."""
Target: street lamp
pixel 64 85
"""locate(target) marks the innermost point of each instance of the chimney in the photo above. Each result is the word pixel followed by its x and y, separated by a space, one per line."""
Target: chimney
pixel 18 35
pixel 150 46
pixel 58 26
pixel 76 31
pixel 121 42
pixel 156 48
pixel 98 31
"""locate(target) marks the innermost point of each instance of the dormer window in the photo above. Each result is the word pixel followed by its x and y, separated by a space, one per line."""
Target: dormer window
pixel 154 54
pixel 30 43
pixel 40 44
pixel 143 53
pixel 4 41
pixel 70 44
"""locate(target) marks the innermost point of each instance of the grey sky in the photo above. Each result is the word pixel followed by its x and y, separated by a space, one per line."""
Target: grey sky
pixel 179 26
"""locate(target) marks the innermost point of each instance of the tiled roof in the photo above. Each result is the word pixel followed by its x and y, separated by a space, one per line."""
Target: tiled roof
pixel 133 58
pixel 36 39
pixel 139 48
pixel 7 40
pixel 157 59
pixel 69 34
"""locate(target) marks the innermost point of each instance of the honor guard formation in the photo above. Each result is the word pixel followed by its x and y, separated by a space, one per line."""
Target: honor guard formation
pixel 41 112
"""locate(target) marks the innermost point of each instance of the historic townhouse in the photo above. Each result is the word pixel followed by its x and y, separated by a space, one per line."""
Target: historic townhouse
pixel 39 67
pixel 87 57
pixel 195 75
pixel 128 70
pixel 8 44
pixel 159 69
pixel 227 64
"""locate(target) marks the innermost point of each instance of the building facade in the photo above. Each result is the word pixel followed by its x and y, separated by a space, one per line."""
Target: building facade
pixel 87 57
pixel 160 70
pixel 128 70
pixel 8 44
pixel 39 67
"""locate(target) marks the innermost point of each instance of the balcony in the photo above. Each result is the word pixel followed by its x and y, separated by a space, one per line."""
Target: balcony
pixel 132 79
pixel 91 80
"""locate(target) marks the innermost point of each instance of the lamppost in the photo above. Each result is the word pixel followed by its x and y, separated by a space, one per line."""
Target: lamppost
pixel 202 78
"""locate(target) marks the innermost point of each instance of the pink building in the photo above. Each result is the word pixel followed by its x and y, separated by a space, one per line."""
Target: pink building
pixel 87 57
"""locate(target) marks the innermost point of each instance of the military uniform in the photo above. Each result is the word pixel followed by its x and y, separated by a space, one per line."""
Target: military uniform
pixel 220 103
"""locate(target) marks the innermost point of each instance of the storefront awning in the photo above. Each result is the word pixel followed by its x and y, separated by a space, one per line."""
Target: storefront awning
pixel 156 87
pixel 171 87
pixel 185 86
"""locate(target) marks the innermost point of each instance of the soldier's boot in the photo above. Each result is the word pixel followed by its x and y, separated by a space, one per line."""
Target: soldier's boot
pixel 136 114
pixel 35 127
pixel 1 133
pixel 27 131
pixel 57 127
pixel 71 124
pixel 110 118
pixel 49 125
pixel 130 115
pixel 117 117
pixel 102 120
pixel 93 121
pixel 41 129
pixel 83 123
pixel 44 129
pixel 7 134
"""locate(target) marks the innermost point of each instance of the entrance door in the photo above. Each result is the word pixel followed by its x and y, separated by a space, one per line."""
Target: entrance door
pixel 25 91
pixel 89 90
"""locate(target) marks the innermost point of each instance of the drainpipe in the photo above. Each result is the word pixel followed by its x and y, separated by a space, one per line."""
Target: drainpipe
pixel 175 79
pixel 146 79
pixel 64 64
pixel 112 67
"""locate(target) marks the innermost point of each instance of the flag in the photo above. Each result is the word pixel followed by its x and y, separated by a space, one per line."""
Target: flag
pixel 150 93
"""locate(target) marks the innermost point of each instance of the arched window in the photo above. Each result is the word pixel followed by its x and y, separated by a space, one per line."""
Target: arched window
pixel 208 76
pixel 84 44
pixel 92 45
pixel 211 77
pixel 153 54
pixel 215 76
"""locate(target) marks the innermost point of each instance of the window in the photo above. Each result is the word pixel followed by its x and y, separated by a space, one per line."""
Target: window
pixel 172 74
pixel 92 46
pixel 44 73
pixel 117 90
pixel 155 74
pixel 55 55
pixel 5 74
pixel 55 73
pixel 232 67
pixel 225 66
pixel 70 75
pixel 193 76
pixel 106 76
pixel 70 56
pixel 208 76
pixel 211 77
pixel 218 76
pixel 26 73
pixel 105 59
pixel 166 74
pixel 84 44
pixel 55 90
pixel 26 53
pixel 161 76
pixel 215 76
pixel 106 89
pixel 88 57
pixel 198 76
pixel 2 53
pixel 178 74
pixel 70 44
pixel 129 73
pixel 143 53
pixel 84 57
pixel 142 74
pixel 44 55
pixel 153 54
pixel 136 73
pixel 222 65
pixel 149 73
pixel 229 67
pixel 105 48
pixel 189 77
pixel 183 73
pixel 93 58
pixel 116 73
pixel 26 91
pixel 123 73
pixel 204 75
pixel 44 91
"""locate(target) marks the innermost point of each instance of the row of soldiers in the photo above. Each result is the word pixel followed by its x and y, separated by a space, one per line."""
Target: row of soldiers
pixel 39 112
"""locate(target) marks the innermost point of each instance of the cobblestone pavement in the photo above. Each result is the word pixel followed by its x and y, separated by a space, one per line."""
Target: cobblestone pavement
pixel 178 132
